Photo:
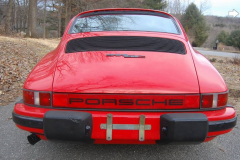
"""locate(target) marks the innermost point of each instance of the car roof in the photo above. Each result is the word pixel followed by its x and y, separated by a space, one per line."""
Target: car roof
pixel 149 11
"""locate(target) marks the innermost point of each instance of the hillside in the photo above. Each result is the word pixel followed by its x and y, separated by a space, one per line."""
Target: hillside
pixel 217 24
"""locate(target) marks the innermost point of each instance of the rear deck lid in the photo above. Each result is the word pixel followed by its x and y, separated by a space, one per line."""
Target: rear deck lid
pixel 101 68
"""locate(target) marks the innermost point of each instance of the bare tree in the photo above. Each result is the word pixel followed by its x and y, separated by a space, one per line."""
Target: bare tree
pixel 59 18
pixel 25 4
pixel 32 19
pixel 204 6
pixel 66 13
pixel 44 19
pixel 8 17
pixel 176 6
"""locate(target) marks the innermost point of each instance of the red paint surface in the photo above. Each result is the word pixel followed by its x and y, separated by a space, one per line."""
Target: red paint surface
pixel 32 130
pixel 210 134
pixel 209 139
pixel 101 141
pixel 210 80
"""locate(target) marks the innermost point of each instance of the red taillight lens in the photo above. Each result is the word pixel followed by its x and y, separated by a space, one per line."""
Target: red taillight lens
pixel 222 100
pixel 37 98
pixel 207 101
pixel 60 100
pixel 214 100
pixel 45 99
pixel 192 101
pixel 28 97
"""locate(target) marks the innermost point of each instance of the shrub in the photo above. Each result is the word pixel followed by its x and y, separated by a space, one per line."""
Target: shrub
pixel 222 37
pixel 220 61
pixel 234 39
pixel 236 60
pixel 213 60
pixel 194 21
pixel 194 44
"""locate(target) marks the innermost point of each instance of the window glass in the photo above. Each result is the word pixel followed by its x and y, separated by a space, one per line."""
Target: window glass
pixel 123 23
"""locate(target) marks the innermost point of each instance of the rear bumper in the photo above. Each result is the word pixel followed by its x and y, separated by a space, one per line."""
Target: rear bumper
pixel 124 127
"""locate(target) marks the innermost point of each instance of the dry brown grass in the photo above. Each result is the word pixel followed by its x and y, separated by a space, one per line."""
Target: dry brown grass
pixel 236 60
pixel 222 47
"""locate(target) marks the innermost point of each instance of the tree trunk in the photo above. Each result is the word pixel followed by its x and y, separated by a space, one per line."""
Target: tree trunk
pixel 70 9
pixel 59 18
pixel 66 14
pixel 25 16
pixel 16 12
pixel 44 19
pixel 8 17
pixel 32 19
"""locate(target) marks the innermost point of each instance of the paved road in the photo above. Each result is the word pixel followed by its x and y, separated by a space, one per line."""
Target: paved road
pixel 13 145
pixel 216 53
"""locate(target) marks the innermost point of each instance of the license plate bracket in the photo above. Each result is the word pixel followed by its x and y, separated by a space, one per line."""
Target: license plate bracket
pixel 110 126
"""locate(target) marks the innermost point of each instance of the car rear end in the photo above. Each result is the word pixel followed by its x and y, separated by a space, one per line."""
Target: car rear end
pixel 123 87
pixel 124 118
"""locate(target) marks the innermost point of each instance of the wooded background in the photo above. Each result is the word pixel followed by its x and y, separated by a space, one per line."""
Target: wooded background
pixel 49 18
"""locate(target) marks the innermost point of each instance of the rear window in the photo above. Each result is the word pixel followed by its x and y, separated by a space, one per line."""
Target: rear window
pixel 124 22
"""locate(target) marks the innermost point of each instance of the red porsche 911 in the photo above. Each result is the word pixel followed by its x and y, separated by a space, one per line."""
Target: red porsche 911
pixel 124 76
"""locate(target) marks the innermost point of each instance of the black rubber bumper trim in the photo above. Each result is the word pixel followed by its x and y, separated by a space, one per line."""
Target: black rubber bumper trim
pixel 27 121
pixel 19 102
pixel 38 123
pixel 215 126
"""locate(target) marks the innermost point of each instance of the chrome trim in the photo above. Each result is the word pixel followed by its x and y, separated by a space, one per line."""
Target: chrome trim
pixel 215 100
pixel 126 126
pixel 36 98
pixel 142 128
pixel 109 127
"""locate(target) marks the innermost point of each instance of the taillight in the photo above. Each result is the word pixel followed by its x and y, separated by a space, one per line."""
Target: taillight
pixel 60 100
pixel 37 98
pixel 222 99
pixel 192 101
pixel 214 100
pixel 207 101
pixel 28 97
pixel 45 99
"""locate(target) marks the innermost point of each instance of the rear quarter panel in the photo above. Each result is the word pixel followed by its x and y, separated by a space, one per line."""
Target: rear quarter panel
pixel 210 80
pixel 41 77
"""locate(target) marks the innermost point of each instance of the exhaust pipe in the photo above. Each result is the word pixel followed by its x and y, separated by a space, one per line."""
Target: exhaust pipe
pixel 33 139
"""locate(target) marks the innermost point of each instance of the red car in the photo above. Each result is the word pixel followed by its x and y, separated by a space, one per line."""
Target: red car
pixel 124 76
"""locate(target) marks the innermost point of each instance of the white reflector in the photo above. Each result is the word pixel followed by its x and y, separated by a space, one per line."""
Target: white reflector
pixel 36 98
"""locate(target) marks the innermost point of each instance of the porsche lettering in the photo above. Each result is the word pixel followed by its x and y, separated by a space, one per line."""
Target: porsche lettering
pixel 139 102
